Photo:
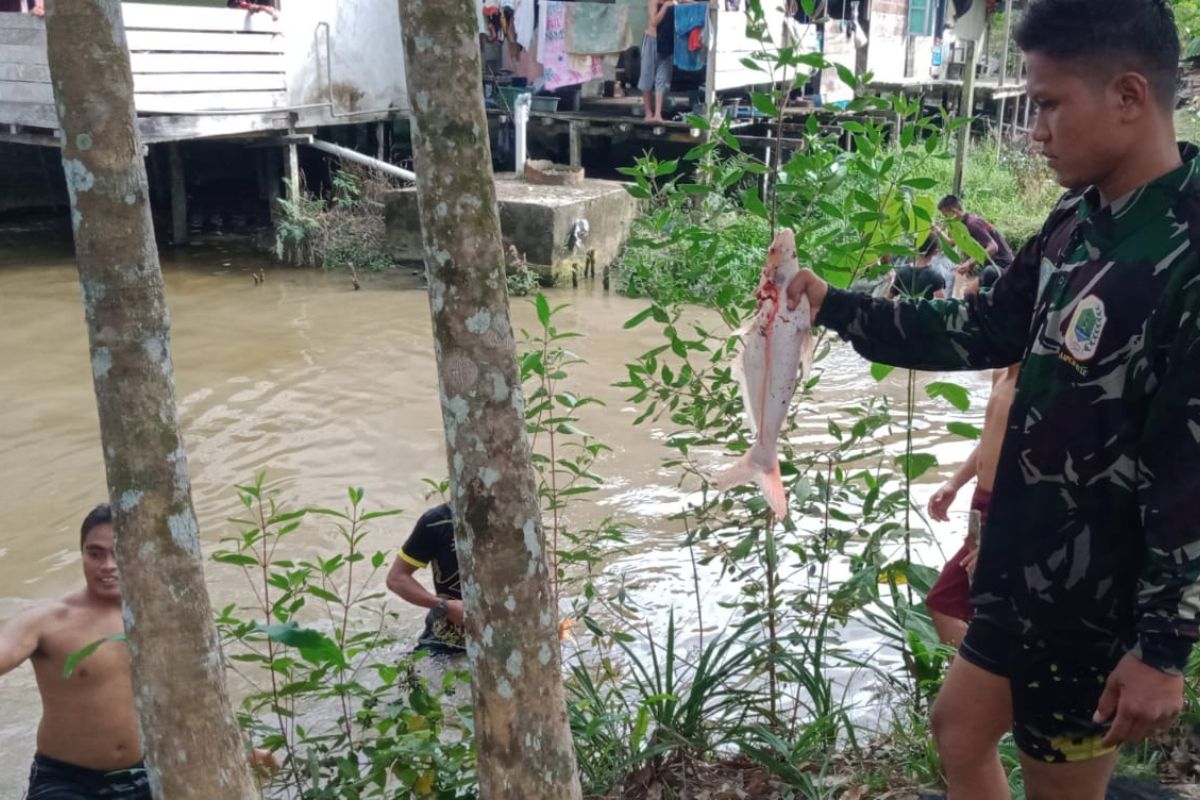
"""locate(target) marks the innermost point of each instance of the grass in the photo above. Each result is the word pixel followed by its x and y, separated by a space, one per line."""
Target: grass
pixel 1187 124
pixel 1012 189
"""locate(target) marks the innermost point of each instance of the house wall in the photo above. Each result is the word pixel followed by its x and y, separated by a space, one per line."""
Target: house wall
pixel 886 53
pixel 838 50
pixel 733 44
pixel 366 59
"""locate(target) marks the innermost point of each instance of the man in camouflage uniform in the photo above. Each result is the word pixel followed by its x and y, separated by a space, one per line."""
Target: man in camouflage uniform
pixel 1088 583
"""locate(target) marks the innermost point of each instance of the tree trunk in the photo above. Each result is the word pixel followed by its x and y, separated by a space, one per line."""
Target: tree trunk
pixel 190 738
pixel 522 735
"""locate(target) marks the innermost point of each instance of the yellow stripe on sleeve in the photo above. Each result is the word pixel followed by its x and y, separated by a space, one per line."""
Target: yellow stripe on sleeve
pixel 410 560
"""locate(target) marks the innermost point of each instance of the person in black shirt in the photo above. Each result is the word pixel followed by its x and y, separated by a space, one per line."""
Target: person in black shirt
pixel 431 544
pixel 923 282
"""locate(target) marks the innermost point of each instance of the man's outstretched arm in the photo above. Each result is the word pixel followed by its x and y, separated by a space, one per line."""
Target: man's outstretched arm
pixel 981 332
pixel 19 639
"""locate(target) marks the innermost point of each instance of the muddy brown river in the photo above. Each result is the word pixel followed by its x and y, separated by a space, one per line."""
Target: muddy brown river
pixel 323 387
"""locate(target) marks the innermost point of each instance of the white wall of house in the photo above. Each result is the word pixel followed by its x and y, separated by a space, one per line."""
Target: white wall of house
pixel 367 60
pixel 733 44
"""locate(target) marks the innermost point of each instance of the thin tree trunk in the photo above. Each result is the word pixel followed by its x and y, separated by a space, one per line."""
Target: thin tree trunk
pixel 522 735
pixel 190 738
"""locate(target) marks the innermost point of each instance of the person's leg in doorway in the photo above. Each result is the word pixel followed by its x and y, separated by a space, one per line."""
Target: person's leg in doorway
pixel 662 84
pixel 972 712
pixel 648 75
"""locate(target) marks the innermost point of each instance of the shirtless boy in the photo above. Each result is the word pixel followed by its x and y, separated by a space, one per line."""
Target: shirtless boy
pixel 949 600
pixel 87 742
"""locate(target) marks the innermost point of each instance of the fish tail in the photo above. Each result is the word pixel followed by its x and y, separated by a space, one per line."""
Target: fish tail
pixel 771 483
pixel 761 468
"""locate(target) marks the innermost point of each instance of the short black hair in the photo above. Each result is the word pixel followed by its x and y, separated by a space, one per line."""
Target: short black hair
pixel 1138 35
pixel 100 515
pixel 930 246
pixel 950 201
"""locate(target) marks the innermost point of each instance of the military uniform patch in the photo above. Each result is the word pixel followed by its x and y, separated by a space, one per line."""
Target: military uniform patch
pixel 1087 323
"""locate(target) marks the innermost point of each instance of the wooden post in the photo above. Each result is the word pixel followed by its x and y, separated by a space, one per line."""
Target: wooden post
pixel 179 221
pixel 292 173
pixel 966 108
pixel 189 735
pixel 380 149
pixel 710 64
pixel 273 181
pixel 1001 108
pixel 1008 13
pixel 575 142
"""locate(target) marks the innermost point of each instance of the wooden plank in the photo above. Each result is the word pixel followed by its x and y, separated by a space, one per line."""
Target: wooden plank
pixel 34 73
pixel 36 139
pixel 17 92
pixel 213 43
pixel 200 126
pixel 21 22
pixel 208 101
pixel 184 18
pixel 38 115
pixel 30 37
pixel 23 54
pixel 146 63
pixel 178 83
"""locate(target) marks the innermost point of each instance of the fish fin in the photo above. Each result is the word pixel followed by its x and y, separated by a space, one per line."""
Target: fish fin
pixel 743 471
pixel 747 470
pixel 771 483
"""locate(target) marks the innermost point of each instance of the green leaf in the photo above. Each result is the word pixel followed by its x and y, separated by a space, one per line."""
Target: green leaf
pixel 665 168
pixel 915 465
pixel 752 203
pixel 764 104
pixel 846 75
pixel 377 514
pixel 543 309
pixel 964 429
pixel 314 646
pixel 965 242
pixel 881 371
pixel 953 393
pixel 317 591
pixel 921 184
pixel 237 559
pixel 639 318
pixel 79 655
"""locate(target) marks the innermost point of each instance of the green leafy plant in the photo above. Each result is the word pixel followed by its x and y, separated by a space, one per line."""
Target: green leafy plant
pixel 312 649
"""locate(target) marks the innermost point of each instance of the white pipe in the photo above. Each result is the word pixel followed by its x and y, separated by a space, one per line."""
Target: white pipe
pixel 520 120
pixel 354 155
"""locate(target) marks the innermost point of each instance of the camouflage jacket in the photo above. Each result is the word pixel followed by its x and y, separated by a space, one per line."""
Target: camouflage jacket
pixel 1092 532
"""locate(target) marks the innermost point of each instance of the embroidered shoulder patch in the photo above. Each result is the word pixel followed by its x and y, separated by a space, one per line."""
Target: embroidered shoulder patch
pixel 1087 324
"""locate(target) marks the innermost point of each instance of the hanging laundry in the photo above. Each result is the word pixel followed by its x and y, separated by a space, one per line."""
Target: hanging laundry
pixel 689 35
pixel 597 28
pixel 523 22
pixel 552 38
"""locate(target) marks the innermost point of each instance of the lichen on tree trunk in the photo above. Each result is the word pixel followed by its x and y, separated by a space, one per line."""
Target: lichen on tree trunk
pixel 191 741
pixel 522 735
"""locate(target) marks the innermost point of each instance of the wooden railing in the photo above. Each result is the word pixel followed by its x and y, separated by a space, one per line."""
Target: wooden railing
pixel 185 61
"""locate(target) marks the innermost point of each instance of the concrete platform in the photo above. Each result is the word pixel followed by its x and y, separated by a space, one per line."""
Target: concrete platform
pixel 537 220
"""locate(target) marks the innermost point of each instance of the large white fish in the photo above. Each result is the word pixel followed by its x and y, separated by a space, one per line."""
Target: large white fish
pixel 776 352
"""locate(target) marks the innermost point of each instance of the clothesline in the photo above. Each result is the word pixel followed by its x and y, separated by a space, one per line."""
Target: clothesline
pixel 556 43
